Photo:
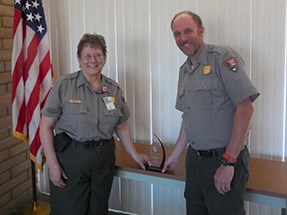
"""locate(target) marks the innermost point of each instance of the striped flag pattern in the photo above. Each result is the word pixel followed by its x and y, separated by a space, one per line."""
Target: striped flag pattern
pixel 32 74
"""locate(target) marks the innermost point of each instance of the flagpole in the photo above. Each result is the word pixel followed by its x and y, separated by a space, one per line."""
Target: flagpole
pixel 35 198
pixel 37 207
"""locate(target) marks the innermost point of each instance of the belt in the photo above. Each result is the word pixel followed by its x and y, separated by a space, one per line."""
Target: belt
pixel 209 153
pixel 90 143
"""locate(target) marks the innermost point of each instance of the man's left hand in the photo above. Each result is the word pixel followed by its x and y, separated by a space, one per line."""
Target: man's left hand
pixel 222 178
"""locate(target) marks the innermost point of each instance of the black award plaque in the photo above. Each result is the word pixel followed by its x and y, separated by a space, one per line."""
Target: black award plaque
pixel 156 155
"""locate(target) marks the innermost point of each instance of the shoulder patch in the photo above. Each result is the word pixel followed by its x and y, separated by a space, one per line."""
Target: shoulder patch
pixel 231 64
pixel 111 81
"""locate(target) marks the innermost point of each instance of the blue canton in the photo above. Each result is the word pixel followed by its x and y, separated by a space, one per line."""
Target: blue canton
pixel 33 14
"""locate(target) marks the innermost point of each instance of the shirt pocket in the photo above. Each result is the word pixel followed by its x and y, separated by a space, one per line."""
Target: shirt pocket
pixel 205 93
pixel 74 116
pixel 109 119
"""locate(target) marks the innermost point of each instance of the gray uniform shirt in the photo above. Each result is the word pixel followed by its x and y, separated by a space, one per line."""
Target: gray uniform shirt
pixel 81 112
pixel 209 93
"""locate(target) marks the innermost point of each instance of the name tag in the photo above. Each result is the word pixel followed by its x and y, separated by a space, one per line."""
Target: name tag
pixel 75 101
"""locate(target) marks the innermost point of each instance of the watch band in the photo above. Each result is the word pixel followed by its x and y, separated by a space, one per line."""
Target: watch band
pixel 227 162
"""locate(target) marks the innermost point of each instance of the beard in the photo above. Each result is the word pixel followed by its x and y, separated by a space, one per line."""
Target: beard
pixel 192 49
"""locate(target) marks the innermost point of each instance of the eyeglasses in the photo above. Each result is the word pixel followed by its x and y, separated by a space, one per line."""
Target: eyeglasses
pixel 89 57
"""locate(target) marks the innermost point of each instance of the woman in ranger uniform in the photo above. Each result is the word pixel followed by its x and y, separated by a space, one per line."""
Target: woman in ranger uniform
pixel 82 112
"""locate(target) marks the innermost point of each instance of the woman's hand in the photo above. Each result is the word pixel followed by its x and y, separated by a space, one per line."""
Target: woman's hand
pixel 142 160
pixel 57 175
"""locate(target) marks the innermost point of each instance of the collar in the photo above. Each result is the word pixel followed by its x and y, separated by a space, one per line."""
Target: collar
pixel 202 58
pixel 83 81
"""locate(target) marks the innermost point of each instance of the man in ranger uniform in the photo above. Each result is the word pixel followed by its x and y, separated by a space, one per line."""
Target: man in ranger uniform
pixel 215 96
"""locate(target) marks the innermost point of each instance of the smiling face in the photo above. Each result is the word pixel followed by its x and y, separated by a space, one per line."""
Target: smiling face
pixel 91 60
pixel 188 35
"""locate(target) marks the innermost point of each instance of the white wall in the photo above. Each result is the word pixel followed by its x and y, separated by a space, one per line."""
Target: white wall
pixel 143 58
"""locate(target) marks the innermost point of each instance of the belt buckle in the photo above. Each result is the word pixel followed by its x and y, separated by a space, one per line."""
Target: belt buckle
pixel 199 153
pixel 97 143
pixel 205 154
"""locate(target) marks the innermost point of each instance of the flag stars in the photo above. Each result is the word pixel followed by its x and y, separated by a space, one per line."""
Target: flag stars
pixel 38 17
pixel 27 5
pixel 35 4
pixel 40 29
pixel 33 15
pixel 30 17
pixel 18 2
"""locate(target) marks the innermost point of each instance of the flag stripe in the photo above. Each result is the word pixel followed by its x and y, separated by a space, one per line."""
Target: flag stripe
pixel 17 59
pixel 31 54
pixel 32 74
pixel 21 126
pixel 16 22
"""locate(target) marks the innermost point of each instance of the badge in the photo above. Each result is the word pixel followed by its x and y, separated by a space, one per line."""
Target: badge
pixel 206 70
pixel 109 102
pixel 113 99
pixel 231 64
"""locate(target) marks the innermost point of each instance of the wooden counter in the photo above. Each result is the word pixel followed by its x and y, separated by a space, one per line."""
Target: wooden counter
pixel 267 182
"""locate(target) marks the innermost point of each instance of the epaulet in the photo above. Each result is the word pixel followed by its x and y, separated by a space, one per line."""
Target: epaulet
pixel 70 75
pixel 218 49
pixel 222 50
pixel 111 81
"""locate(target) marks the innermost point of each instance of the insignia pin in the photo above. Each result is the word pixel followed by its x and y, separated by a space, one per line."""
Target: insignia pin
pixel 104 89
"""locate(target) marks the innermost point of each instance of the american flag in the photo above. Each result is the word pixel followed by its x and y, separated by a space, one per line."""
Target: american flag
pixel 32 74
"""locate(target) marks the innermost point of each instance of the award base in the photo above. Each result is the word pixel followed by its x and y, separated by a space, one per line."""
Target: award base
pixel 154 168
pixel 155 156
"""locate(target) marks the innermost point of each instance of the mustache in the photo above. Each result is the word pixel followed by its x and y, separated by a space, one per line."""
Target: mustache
pixel 187 42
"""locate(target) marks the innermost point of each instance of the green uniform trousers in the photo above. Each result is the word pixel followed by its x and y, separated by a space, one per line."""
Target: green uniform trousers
pixel 200 192
pixel 90 174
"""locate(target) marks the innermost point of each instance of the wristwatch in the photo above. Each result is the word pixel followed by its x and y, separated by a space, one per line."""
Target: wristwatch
pixel 227 162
